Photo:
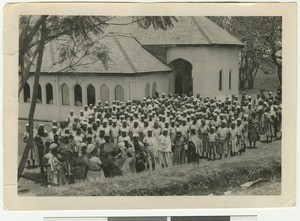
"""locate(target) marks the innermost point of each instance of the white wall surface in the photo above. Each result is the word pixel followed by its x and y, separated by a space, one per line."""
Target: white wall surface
pixel 134 88
pixel 207 61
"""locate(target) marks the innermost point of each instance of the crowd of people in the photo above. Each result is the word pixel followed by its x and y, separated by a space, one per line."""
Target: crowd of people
pixel 131 137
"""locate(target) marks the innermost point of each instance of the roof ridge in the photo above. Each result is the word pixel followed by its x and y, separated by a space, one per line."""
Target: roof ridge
pixel 201 30
pixel 124 54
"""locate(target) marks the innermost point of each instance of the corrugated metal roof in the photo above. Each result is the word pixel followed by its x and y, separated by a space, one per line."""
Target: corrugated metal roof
pixel 126 55
pixel 188 30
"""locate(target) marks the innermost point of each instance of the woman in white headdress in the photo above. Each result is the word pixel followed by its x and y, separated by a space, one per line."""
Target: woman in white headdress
pixel 94 164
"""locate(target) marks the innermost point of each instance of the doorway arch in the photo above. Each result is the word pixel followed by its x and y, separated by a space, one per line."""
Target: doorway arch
pixel 182 70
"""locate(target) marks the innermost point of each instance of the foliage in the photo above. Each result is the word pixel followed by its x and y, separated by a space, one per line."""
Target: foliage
pixel 262 37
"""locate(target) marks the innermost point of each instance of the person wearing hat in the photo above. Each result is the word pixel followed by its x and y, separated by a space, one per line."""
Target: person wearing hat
pixel 212 139
pixel 240 131
pixel 172 130
pixel 223 135
pixel 79 167
pixel 179 152
pixel 114 131
pixel 245 131
pixel 194 146
pixel 156 130
pixel 136 129
pixel 203 132
pixel 67 149
pixel 71 118
pixel 140 154
pixel 108 153
pixel 91 109
pixel 81 116
pixel 262 94
pixel 164 148
pixel 54 167
pixel 78 138
pixel 125 126
pixel 94 164
pixel 233 140
pixel 124 136
pixel 145 128
pixel 150 143
pixel 33 155
pixel 52 132
pixel 86 112
pixel 40 139
pixel 184 128
pixel 253 133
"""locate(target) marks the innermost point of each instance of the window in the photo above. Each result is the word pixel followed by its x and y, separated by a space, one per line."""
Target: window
pixel 26 91
pixel 220 80
pixel 147 90
pixel 49 94
pixel 119 93
pixel 39 95
pixel 91 99
pixel 230 80
pixel 65 94
pixel 104 93
pixel 77 95
pixel 154 85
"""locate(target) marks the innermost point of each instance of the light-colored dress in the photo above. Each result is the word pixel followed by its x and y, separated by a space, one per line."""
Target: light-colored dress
pixel 222 146
pixel 95 171
pixel 55 171
pixel 233 140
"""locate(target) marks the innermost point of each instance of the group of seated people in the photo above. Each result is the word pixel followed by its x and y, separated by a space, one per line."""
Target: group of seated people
pixel 131 137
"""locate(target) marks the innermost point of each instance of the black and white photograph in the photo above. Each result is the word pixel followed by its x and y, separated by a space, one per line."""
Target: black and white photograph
pixel 110 105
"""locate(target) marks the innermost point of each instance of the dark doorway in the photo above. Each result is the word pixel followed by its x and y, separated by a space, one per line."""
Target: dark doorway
pixel 182 70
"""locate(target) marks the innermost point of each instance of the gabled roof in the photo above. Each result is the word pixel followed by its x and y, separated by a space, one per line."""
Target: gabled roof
pixel 187 31
pixel 125 53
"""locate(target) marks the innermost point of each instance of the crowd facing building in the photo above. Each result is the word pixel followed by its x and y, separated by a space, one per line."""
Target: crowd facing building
pixel 107 140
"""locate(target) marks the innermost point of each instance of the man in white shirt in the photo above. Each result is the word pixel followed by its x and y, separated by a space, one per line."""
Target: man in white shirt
pixel 164 148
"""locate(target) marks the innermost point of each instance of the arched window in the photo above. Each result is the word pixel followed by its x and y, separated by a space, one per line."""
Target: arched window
pixel 220 80
pixel 147 90
pixel 49 94
pixel 39 95
pixel 77 95
pixel 26 91
pixel 104 93
pixel 65 95
pixel 91 96
pixel 230 80
pixel 154 85
pixel 119 93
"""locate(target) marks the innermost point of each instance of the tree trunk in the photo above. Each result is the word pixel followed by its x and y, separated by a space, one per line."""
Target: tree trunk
pixel 33 102
pixel 22 82
pixel 279 72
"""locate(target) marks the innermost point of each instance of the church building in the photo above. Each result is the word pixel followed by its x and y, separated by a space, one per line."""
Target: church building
pixel 196 56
